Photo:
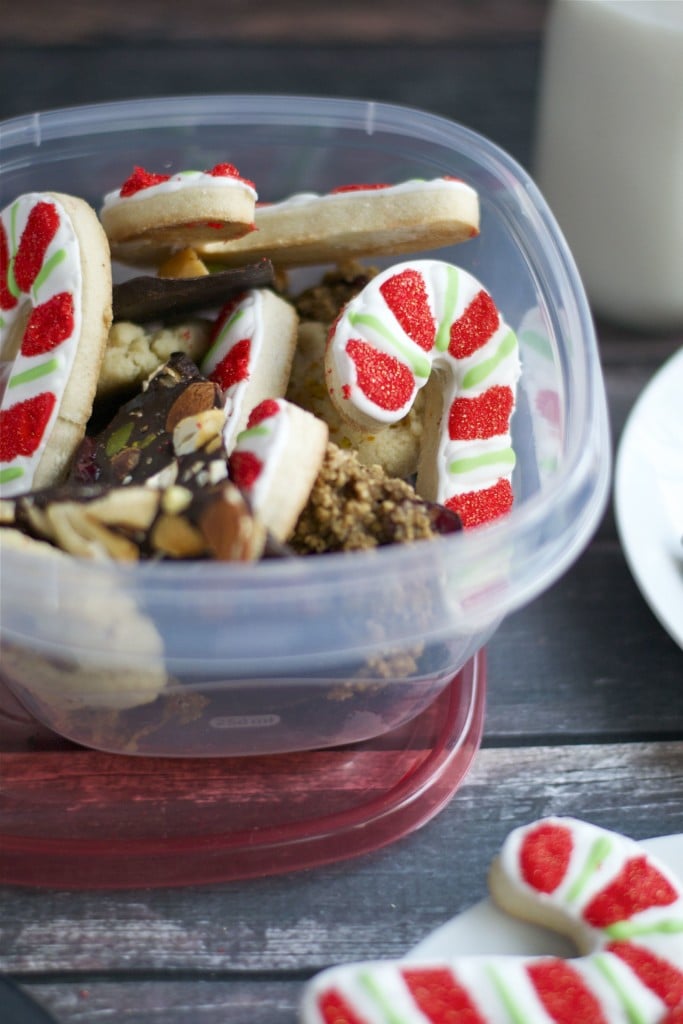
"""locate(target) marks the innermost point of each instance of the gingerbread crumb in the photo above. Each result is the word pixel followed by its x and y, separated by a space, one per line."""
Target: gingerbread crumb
pixel 353 507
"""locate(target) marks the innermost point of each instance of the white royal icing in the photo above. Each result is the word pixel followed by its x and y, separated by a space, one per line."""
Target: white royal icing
pixel 32 375
pixel 177 182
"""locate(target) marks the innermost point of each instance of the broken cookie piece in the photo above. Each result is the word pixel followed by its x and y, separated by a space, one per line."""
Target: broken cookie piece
pixel 352 507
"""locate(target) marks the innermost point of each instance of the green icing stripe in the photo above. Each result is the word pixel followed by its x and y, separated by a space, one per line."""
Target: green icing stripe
pixel 259 431
pixel 237 315
pixel 634 1014
pixel 419 364
pixel 512 1009
pixel 628 930
pixel 443 334
pixel 48 266
pixel 34 373
pixel 484 369
pixel 10 474
pixel 367 981
pixel 11 280
pixel 596 855
pixel 505 456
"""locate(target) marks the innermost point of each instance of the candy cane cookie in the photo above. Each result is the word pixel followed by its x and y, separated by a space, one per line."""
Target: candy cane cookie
pixel 429 321
pixel 152 214
pixel 622 908
pixel 276 460
pixel 250 354
pixel 356 220
pixel 55 314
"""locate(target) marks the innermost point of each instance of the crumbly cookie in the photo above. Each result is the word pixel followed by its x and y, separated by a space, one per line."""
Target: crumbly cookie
pixel 134 352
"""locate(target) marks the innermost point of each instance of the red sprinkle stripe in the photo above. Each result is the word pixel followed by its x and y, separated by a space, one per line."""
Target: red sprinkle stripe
pixel 544 856
pixel 478 507
pixel 41 227
pixel 440 997
pixel 484 416
pixel 406 296
pixel 263 411
pixel 334 1009
pixel 49 325
pixel 233 367
pixel 638 886
pixel 386 381
pixel 564 994
pixel 657 974
pixel 22 425
pixel 474 327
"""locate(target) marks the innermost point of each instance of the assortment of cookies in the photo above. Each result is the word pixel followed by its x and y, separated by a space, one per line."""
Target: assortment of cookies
pixel 204 409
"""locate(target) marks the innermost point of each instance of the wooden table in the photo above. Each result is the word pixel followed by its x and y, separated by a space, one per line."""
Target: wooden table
pixel 585 708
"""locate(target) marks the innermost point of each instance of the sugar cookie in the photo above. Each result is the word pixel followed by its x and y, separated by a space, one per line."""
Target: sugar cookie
pixel 55 314
pixel 276 460
pixel 356 220
pixel 250 354
pixel 622 908
pixel 423 321
pixel 395 449
pixel 175 210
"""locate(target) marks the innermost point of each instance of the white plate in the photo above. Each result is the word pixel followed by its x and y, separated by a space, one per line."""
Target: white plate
pixel 648 495
pixel 485 929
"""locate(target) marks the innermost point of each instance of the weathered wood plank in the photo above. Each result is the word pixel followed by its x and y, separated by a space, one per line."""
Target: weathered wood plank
pixel 404 74
pixel 259 1001
pixel 294 22
pixel 586 660
pixel 379 904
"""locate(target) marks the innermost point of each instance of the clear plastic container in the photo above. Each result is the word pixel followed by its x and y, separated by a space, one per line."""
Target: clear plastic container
pixel 197 659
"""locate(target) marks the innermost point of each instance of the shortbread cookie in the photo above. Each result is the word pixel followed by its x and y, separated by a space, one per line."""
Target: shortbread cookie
pixel 64 676
pixel 396 448
pixel 250 354
pixel 356 220
pixel 55 305
pixel 276 460
pixel 429 321
pixel 176 210
pixel 134 353
pixel 622 908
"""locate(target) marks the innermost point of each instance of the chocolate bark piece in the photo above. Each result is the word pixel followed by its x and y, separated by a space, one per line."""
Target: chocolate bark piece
pixel 146 298
pixel 129 523
pixel 138 442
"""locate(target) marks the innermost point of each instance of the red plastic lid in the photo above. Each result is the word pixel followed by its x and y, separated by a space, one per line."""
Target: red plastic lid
pixel 82 819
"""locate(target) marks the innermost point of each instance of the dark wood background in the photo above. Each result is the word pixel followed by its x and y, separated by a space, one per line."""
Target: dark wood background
pixel 585 693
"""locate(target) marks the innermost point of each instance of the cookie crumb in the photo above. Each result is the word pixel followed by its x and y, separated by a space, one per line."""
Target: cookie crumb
pixel 354 507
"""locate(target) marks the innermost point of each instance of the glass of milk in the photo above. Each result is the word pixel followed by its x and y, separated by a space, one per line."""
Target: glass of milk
pixel 609 152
